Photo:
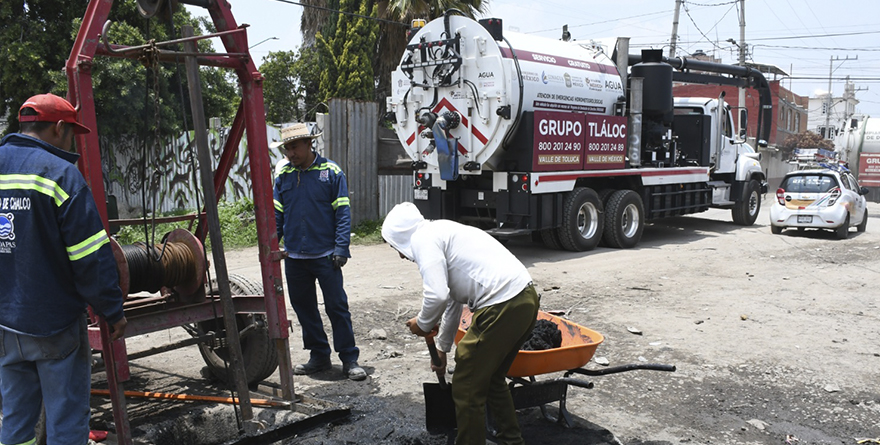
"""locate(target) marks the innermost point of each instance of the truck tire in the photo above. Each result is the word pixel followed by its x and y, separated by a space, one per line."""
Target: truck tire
pixel 603 198
pixel 864 224
pixel 842 232
pixel 551 239
pixel 624 219
pixel 745 212
pixel 258 350
pixel 582 220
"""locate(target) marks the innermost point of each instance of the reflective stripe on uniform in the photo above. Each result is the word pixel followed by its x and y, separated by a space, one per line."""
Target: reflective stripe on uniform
pixel 327 166
pixel 89 246
pixel 36 183
pixel 278 206
pixel 340 202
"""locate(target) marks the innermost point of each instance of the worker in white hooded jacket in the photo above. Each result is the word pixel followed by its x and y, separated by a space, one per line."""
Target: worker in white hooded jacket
pixel 461 265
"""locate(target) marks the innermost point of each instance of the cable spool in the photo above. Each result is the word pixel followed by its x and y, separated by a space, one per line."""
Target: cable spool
pixel 178 263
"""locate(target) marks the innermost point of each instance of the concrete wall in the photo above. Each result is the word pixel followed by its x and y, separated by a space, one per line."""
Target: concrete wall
pixel 775 167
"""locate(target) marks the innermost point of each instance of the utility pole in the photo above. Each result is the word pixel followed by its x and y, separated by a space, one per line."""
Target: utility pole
pixel 674 29
pixel 828 99
pixel 742 61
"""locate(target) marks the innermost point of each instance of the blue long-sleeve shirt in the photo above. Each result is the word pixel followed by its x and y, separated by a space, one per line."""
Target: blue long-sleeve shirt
pixel 312 211
pixel 55 255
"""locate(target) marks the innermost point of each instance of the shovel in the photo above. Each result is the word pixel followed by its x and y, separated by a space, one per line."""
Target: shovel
pixel 439 407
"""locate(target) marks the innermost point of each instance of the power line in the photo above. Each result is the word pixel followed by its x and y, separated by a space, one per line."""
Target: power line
pixel 817 47
pixel 821 35
pixel 602 22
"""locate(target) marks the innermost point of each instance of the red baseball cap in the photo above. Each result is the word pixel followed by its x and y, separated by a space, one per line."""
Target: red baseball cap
pixel 51 108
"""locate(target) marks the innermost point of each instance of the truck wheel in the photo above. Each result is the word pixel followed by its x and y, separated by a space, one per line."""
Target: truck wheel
pixel 603 198
pixel 624 219
pixel 864 224
pixel 582 220
pixel 258 350
pixel 745 212
pixel 551 239
pixel 843 231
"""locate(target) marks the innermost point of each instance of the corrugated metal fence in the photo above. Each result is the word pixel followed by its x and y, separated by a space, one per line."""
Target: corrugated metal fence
pixel 351 140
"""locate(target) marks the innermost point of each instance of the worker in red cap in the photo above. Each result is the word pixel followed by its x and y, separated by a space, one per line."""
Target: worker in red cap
pixel 56 259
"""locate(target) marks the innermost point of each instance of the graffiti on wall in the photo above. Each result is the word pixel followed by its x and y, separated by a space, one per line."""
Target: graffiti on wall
pixel 163 178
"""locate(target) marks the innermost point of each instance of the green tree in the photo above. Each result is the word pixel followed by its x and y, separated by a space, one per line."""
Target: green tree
pixel 37 42
pixel 291 85
pixel 348 54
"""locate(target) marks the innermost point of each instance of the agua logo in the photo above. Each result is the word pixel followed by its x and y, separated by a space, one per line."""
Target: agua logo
pixel 549 127
pixel 486 75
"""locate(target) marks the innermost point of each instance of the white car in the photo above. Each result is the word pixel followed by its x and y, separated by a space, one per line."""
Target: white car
pixel 819 199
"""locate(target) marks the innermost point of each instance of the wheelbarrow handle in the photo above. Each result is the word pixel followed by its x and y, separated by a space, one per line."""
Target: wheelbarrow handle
pixel 435 359
pixel 622 368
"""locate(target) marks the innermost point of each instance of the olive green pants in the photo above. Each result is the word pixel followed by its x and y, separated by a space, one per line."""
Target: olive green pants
pixel 482 359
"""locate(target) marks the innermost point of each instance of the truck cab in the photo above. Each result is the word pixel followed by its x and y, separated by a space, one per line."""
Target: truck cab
pixel 737 178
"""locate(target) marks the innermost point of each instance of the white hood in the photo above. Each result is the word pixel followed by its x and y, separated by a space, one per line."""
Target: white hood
pixel 400 225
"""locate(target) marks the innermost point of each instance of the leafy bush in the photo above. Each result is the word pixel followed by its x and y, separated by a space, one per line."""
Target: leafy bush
pixel 238 228
pixel 367 233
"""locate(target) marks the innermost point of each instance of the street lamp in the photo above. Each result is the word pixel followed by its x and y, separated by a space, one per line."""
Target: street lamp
pixel 263 41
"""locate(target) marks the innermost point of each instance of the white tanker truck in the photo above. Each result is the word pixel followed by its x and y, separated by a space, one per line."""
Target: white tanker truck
pixel 519 134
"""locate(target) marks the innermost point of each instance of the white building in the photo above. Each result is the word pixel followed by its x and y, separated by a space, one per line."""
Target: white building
pixel 827 120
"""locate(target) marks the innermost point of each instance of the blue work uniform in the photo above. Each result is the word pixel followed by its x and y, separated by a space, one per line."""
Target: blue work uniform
pixel 313 216
pixel 55 258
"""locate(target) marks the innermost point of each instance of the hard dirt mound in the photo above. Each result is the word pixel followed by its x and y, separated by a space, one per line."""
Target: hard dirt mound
pixel 546 335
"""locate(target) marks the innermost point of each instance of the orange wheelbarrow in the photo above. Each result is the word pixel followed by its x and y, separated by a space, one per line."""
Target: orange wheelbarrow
pixel 578 346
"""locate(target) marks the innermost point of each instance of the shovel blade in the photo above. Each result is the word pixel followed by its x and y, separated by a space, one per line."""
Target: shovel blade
pixel 439 409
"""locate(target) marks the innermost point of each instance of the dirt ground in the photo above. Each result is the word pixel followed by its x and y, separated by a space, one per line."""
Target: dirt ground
pixel 776 339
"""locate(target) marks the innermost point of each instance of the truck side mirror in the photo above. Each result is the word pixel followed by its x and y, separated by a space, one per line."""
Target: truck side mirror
pixel 743 122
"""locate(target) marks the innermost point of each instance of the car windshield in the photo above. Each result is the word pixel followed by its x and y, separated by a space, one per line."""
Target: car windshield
pixel 817 183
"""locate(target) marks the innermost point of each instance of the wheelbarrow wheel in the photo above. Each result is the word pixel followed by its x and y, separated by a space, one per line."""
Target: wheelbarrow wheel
pixel 258 351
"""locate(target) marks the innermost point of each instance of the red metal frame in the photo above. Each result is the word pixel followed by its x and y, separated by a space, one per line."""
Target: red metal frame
pixel 250 118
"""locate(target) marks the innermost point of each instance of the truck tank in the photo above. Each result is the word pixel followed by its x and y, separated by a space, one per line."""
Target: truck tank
pixel 478 83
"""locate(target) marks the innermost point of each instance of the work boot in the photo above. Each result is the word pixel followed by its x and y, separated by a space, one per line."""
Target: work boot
pixel 314 365
pixel 354 371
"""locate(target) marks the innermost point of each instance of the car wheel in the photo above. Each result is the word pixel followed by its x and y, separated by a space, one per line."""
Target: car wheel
pixel 864 224
pixel 843 231
pixel 745 212
pixel 776 230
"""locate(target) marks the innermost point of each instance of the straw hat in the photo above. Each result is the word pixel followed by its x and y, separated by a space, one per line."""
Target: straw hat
pixel 292 133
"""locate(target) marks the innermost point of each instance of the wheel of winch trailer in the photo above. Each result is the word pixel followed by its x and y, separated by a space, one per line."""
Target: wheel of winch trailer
pixel 842 232
pixel 745 212
pixel 258 351
pixel 582 220
pixel 624 219
pixel 864 224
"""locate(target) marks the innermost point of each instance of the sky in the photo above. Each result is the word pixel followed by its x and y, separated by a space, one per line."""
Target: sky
pixel 799 36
